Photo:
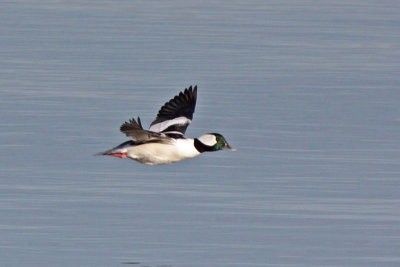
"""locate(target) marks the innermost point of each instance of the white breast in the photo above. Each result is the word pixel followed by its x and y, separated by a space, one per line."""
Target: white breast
pixel 154 153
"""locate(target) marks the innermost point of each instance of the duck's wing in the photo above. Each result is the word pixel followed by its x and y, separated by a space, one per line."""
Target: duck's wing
pixel 176 114
pixel 135 131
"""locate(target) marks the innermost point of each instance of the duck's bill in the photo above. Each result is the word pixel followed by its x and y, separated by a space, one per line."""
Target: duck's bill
pixel 228 147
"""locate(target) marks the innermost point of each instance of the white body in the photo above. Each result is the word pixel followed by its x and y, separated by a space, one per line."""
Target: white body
pixel 156 153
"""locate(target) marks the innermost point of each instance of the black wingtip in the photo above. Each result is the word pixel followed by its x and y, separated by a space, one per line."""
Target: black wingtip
pixel 139 122
pixel 191 89
pixel 190 93
pixel 132 124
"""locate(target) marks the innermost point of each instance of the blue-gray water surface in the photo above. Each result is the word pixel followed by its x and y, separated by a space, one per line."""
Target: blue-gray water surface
pixel 308 91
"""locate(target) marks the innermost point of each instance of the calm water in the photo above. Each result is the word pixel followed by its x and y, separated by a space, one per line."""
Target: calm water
pixel 307 91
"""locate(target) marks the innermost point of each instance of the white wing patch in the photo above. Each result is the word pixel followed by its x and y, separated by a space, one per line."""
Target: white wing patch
pixel 161 126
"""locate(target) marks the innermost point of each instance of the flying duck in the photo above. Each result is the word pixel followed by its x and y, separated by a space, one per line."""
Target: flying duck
pixel 165 142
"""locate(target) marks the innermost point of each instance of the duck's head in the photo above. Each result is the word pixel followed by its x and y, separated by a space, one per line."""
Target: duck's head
pixel 212 142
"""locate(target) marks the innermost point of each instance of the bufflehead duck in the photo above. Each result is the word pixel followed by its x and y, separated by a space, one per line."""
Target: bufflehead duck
pixel 164 142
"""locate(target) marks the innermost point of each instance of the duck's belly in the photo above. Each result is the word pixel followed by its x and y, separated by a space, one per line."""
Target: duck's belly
pixel 155 153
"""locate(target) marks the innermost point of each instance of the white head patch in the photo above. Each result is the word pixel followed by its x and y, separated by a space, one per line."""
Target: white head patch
pixel 208 139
